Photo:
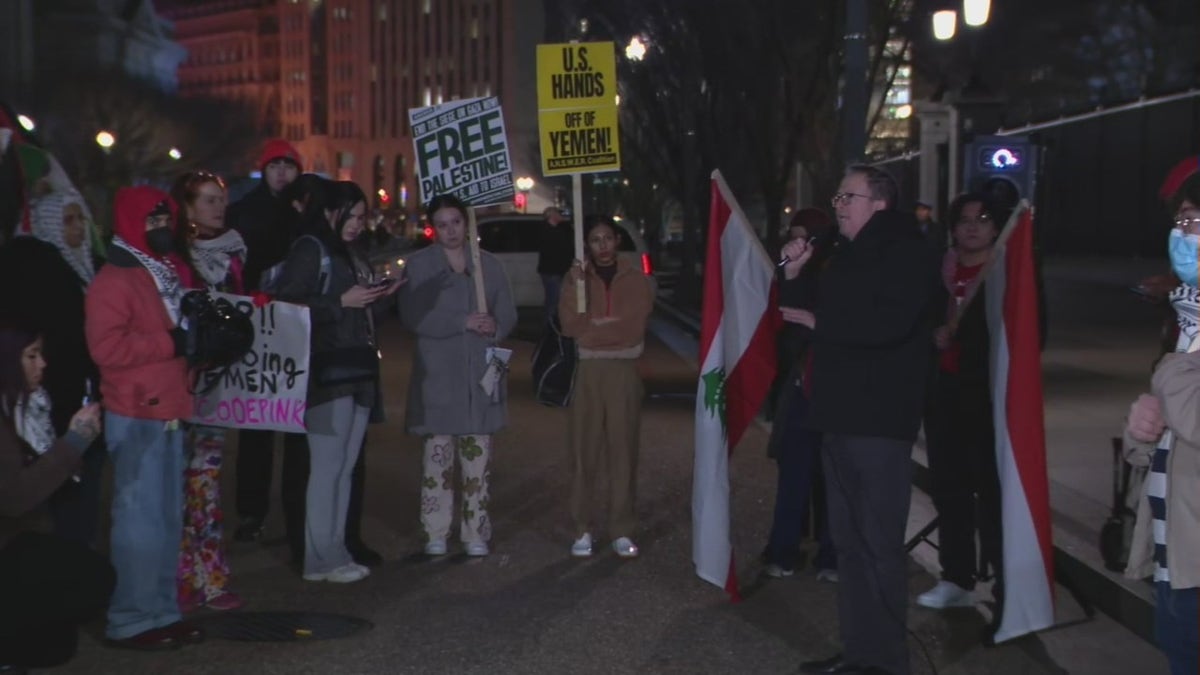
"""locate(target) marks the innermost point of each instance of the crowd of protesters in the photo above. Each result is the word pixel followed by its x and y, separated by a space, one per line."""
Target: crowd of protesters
pixel 880 337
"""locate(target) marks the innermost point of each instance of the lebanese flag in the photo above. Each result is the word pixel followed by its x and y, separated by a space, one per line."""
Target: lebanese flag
pixel 737 357
pixel 1016 371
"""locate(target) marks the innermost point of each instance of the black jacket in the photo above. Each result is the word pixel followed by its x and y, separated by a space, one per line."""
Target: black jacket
pixel 268 226
pixel 41 290
pixel 871 346
pixel 556 248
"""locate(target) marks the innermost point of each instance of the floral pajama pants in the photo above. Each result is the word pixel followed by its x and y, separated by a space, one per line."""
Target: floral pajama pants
pixel 437 487
pixel 203 570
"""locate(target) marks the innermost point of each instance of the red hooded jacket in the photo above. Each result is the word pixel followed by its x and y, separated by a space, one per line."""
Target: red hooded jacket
pixel 128 328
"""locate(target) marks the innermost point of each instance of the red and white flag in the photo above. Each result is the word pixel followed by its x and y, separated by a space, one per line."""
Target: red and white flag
pixel 737 365
pixel 1010 284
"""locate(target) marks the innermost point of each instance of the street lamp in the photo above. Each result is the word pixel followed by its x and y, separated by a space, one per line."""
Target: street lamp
pixel 975 12
pixel 26 122
pixel 175 154
pixel 105 139
pixel 636 49
pixel 944 24
pixel 524 185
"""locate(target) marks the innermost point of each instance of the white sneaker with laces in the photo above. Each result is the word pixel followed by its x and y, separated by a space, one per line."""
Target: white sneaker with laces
pixel 345 574
pixel 827 575
pixel 582 548
pixel 477 549
pixel 435 548
pixel 946 594
pixel 625 547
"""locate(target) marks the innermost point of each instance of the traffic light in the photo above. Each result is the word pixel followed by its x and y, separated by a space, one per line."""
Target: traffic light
pixel 1002 167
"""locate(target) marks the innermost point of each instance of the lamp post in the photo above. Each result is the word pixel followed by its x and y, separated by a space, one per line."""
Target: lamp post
pixel 106 140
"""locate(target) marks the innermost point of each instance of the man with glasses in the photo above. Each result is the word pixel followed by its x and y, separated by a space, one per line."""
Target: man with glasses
pixel 872 330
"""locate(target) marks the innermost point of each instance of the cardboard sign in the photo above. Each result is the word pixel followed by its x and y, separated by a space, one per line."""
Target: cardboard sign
pixel 461 149
pixel 577 108
pixel 268 388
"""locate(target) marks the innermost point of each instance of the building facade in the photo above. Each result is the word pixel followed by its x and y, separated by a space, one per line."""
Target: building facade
pixel 346 72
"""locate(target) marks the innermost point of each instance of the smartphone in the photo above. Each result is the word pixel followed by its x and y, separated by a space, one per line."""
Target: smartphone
pixel 382 283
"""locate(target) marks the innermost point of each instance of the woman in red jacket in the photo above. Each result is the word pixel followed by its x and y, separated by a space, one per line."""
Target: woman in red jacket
pixel 132 317
pixel 210 257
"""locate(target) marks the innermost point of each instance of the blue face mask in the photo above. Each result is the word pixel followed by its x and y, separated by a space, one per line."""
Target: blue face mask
pixel 1183 250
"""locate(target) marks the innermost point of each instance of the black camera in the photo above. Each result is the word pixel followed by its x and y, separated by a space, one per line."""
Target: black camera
pixel 218 333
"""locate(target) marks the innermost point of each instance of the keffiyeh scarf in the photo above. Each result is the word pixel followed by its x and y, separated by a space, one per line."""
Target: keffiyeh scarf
pixel 32 420
pixel 212 257
pixel 165 277
pixel 47 225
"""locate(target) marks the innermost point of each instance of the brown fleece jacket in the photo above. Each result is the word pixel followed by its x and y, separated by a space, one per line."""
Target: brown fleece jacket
pixel 614 325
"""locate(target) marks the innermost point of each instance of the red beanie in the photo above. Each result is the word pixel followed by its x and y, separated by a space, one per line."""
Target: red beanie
pixel 1177 176
pixel 277 148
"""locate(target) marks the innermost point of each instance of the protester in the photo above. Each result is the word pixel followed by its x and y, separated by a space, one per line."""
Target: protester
pixel 56 255
pixel 871 334
pixel 933 231
pixel 604 415
pixel 555 252
pixel 343 387
pixel 1167 529
pixel 267 222
pixel 446 403
pixel 50 585
pixel 795 448
pixel 133 334
pixel 211 257
pixel 960 438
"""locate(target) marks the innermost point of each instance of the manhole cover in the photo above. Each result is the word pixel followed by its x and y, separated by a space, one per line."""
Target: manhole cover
pixel 282 626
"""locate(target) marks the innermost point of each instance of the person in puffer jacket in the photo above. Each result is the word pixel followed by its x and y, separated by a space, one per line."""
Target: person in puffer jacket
pixel 131 322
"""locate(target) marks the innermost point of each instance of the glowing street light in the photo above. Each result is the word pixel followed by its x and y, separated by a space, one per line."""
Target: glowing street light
pixel 636 49
pixel 524 183
pixel 105 139
pixel 175 154
pixel 944 24
pixel 26 122
pixel 975 12
pixel 904 112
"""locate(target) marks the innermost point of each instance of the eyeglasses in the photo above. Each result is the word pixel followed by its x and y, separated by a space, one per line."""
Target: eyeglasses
pixel 843 198
pixel 1189 224
pixel 983 219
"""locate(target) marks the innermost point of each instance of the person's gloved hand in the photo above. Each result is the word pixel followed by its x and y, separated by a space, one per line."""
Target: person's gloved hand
pixel 179 337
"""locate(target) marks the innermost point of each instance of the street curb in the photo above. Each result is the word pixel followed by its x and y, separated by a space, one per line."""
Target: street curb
pixel 1077 562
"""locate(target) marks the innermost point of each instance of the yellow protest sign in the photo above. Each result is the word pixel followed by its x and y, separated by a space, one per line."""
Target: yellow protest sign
pixel 577 108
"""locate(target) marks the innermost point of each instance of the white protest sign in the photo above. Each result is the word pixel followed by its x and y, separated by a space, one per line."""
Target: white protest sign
pixel 461 149
pixel 268 388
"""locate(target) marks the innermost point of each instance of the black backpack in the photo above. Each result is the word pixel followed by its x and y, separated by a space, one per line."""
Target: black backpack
pixel 554 363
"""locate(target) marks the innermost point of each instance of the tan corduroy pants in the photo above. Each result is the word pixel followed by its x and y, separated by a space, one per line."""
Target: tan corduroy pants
pixel 603 424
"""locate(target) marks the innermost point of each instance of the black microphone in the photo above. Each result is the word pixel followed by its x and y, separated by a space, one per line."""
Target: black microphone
pixel 812 241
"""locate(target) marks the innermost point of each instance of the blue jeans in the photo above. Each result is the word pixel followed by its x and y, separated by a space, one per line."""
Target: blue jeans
pixel 801 483
pixel 551 285
pixel 147 523
pixel 1177 626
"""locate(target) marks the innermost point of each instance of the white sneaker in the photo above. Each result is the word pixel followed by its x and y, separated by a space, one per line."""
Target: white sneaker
pixel 625 547
pixel 777 571
pixel 345 574
pixel 435 548
pixel 946 594
pixel 827 575
pixel 582 548
pixel 477 549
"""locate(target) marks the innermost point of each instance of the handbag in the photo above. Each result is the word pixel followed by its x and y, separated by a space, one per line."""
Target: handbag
pixel 554 363
pixel 1117 532
pixel 348 365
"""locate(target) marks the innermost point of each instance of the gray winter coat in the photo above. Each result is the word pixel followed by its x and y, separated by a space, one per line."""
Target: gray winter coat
pixel 444 396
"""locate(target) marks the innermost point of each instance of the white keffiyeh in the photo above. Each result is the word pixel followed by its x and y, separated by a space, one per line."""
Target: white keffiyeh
pixel 212 257
pixel 165 277
pixel 1186 302
pixel 32 420
pixel 47 225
